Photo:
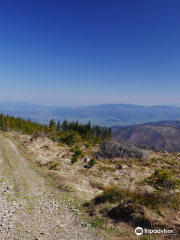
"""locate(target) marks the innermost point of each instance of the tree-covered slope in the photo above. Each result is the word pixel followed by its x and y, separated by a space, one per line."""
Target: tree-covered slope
pixel 146 135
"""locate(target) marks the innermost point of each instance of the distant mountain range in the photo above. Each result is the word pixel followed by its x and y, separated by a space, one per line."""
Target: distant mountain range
pixel 105 115
pixel 145 135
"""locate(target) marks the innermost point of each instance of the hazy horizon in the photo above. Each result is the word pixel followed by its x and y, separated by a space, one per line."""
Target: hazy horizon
pixel 89 105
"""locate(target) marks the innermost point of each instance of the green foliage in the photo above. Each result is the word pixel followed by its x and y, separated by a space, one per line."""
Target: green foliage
pixel 58 126
pixel 92 162
pixel 164 179
pixel 67 138
pixel 87 145
pixel 78 152
pixel 68 133
pixel 97 222
pixel 87 132
pixel 74 160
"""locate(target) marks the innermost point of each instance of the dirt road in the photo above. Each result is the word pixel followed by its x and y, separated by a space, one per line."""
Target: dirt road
pixel 29 208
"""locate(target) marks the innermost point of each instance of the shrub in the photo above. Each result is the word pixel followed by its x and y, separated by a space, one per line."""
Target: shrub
pixel 74 160
pixel 92 162
pixel 77 151
pixel 87 145
pixel 164 179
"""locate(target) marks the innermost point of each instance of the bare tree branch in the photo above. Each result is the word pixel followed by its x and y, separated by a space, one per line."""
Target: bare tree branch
pixel 172 116
pixel 165 141
pixel 171 125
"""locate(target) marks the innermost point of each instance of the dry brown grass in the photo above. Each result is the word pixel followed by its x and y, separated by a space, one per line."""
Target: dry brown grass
pixel 86 184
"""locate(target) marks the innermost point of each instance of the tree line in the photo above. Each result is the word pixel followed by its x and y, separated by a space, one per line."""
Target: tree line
pixel 65 132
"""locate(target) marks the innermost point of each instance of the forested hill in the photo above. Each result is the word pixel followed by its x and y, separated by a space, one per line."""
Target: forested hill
pixel 65 132
pixel 104 114
pixel 146 136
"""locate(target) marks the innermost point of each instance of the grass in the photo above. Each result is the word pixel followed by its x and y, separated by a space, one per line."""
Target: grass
pixel 95 184
pixel 117 201
pixel 151 200
pixel 52 165
pixel 82 171
pixel 135 206
pixel 106 169
pixel 97 222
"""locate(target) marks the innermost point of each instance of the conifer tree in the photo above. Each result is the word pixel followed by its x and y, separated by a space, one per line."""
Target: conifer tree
pixel 58 127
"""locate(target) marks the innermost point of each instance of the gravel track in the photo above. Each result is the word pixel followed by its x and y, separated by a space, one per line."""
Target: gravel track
pixel 28 209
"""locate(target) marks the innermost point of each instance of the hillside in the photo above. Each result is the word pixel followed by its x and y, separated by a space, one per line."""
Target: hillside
pixel 105 201
pixel 104 188
pixel 145 135
pixel 104 114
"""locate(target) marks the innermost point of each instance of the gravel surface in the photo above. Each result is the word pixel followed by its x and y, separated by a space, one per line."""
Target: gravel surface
pixel 28 207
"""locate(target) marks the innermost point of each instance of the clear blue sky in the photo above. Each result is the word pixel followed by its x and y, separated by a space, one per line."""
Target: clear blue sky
pixel 87 52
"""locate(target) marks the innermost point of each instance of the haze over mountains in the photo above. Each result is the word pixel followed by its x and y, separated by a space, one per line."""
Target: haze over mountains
pixel 104 114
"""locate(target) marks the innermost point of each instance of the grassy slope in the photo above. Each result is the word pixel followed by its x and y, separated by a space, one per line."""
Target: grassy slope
pixel 81 185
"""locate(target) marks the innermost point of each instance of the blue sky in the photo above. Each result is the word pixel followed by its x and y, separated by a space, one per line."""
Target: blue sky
pixel 87 52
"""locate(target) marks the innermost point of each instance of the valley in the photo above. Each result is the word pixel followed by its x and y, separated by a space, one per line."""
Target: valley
pixel 107 115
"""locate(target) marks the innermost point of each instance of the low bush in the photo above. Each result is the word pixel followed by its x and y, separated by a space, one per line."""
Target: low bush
pixel 74 160
pixel 163 179
pixel 88 145
pixel 77 152
pixel 92 162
